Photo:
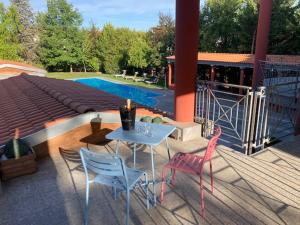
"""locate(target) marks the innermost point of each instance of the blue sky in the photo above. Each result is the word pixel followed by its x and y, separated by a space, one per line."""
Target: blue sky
pixel 136 14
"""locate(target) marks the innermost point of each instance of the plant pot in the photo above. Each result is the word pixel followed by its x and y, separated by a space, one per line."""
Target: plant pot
pixel 127 117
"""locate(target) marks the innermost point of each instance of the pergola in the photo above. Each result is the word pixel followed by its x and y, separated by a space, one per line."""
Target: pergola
pixel 187 28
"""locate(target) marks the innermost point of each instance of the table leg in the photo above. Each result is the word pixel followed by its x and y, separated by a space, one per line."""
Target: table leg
pixel 153 176
pixel 117 147
pixel 134 154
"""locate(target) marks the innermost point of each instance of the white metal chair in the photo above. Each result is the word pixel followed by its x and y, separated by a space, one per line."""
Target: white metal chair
pixel 110 170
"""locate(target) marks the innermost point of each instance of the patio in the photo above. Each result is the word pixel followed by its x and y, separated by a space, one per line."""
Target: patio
pixel 259 189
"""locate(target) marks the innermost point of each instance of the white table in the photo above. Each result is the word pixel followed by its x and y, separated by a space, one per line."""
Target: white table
pixel 159 133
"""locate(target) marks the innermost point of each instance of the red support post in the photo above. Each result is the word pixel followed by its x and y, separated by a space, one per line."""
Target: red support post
pixel 186 51
pixel 242 76
pixel 212 73
pixel 170 74
pixel 262 36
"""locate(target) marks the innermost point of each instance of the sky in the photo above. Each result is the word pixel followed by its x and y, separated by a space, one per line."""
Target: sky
pixel 135 14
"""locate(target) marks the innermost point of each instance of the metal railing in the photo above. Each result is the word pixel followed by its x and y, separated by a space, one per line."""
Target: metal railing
pixel 249 120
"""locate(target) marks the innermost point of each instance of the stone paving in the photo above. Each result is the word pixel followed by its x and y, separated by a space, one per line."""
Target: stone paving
pixel 262 189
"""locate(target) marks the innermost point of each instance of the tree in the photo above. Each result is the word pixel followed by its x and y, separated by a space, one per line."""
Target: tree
pixel 161 39
pixel 90 53
pixel 10 47
pixel 60 37
pixel 109 54
pixel 27 32
pixel 218 25
pixel 138 53
pixel 114 45
pixel 285 26
pixel 247 25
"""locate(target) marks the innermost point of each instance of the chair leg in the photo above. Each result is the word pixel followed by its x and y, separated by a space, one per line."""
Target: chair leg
pixel 211 177
pixel 86 216
pixel 162 185
pixel 147 191
pixel 202 197
pixel 115 193
pixel 173 177
pixel 127 206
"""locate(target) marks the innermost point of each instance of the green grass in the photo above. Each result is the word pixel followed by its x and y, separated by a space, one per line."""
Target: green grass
pixel 104 76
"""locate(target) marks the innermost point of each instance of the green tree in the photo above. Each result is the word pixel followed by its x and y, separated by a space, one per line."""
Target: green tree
pixel 114 45
pixel 161 40
pixel 285 25
pixel 138 53
pixel 27 32
pixel 218 25
pixel 60 37
pixel 90 54
pixel 10 47
pixel 109 54
pixel 247 25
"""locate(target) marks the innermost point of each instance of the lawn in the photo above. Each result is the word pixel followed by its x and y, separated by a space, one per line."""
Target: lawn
pixel 104 76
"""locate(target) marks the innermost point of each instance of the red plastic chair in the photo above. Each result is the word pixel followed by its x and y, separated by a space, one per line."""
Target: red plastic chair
pixel 192 164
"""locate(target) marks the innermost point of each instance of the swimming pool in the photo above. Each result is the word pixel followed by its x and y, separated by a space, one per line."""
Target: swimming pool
pixel 138 95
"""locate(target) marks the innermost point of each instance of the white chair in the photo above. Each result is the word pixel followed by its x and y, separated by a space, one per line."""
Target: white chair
pixel 110 170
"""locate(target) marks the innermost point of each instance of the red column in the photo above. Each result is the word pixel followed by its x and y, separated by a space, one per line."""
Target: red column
pixel 242 76
pixel 262 36
pixel 170 74
pixel 212 73
pixel 186 51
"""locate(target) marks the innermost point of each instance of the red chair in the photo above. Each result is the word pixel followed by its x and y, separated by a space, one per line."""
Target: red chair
pixel 192 164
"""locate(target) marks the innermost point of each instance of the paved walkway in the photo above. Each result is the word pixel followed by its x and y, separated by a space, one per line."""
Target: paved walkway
pixel 263 189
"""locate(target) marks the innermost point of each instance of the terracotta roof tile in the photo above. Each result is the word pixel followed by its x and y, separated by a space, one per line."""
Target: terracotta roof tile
pixel 242 58
pixel 31 103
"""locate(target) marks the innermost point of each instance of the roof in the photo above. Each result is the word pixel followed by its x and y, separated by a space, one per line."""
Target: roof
pixel 239 60
pixel 30 102
pixel 13 68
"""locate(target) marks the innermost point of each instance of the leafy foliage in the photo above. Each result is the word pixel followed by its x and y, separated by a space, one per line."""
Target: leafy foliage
pixel 60 39
pixel 27 32
pixel 56 39
pixel 138 53
pixel 10 47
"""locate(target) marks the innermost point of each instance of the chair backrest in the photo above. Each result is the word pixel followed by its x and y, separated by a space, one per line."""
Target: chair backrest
pixel 103 164
pixel 212 145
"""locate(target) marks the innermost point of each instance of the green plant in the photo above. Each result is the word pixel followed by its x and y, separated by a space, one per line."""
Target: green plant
pixel 16 148
pixel 157 120
pixel 147 119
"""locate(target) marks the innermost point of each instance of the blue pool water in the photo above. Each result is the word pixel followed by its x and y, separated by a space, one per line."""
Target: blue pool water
pixel 138 95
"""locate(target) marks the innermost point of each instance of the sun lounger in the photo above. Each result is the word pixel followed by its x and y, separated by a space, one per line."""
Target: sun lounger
pixel 141 79
pixel 131 77
pixel 153 80
pixel 121 75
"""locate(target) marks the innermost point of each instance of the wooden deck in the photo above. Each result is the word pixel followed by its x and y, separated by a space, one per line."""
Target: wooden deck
pixel 262 189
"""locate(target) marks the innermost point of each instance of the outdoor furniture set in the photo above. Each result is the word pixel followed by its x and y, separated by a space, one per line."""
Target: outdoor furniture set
pixel 110 169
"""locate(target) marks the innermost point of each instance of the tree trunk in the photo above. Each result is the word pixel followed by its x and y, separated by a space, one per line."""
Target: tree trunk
pixel 71 68
pixel 253 42
pixel 84 67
